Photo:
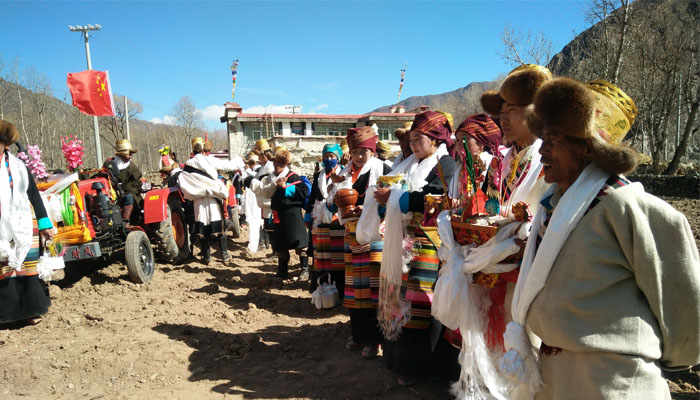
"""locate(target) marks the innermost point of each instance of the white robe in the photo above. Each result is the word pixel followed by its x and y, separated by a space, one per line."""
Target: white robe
pixel 204 191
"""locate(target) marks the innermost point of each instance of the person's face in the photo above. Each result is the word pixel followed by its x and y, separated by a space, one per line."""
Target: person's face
pixel 474 147
pixel 404 143
pixel 421 145
pixel 513 124
pixel 360 156
pixel 263 159
pixel 329 156
pixel 251 164
pixel 125 156
pixel 279 166
pixel 563 159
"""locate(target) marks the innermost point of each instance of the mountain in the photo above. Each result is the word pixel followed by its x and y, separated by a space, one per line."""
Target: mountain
pixel 460 103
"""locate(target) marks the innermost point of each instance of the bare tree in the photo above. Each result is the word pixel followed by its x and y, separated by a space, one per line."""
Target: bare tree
pixel 115 127
pixel 4 89
pixel 606 51
pixel 533 48
pixel 187 117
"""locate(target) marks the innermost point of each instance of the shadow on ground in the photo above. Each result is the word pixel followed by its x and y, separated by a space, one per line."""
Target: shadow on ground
pixel 284 362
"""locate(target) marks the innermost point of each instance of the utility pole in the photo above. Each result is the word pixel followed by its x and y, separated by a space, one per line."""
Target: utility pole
pixel 84 30
pixel 293 108
pixel 126 111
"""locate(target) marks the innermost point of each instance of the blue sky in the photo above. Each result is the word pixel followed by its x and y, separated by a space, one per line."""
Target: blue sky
pixel 328 57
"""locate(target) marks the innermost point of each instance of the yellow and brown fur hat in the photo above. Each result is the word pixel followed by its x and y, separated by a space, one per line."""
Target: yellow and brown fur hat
pixel 518 88
pixel 600 118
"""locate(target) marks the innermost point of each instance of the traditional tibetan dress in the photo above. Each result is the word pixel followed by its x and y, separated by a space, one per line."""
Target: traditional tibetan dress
pixel 517 178
pixel 22 294
pixel 327 234
pixel 411 353
pixel 363 261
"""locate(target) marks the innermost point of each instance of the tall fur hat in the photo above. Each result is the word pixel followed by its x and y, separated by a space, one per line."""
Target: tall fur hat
pixel 518 88
pixel 400 132
pixel 8 133
pixel 567 108
pixel 208 146
pixel 283 155
pixel 197 143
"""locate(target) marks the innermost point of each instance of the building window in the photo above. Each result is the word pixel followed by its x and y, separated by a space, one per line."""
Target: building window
pixel 331 129
pixel 386 129
pixel 297 128
pixel 385 134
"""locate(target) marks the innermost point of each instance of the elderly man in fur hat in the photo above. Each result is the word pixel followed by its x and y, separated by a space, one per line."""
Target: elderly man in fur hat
pixel 129 176
pixel 610 284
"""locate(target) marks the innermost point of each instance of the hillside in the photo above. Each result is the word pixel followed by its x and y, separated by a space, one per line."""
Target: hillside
pixel 649 50
pixel 460 103
pixel 43 119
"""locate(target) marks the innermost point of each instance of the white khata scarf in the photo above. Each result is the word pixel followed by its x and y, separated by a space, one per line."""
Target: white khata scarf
pixel 524 185
pixel 374 166
pixel 15 212
pixel 321 214
pixel 520 362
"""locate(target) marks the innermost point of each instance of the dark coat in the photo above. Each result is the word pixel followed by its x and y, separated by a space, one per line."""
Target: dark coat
pixel 416 200
pixel 290 231
pixel 362 183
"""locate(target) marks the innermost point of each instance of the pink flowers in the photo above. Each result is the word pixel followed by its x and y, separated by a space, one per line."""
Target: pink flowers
pixel 33 161
pixel 73 151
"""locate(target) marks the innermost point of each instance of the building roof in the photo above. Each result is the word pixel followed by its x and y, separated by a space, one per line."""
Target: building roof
pixel 367 116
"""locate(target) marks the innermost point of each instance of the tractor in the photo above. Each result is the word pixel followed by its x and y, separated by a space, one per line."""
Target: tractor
pixel 91 225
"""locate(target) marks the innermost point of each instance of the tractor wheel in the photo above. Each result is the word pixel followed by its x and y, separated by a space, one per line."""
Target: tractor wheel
pixel 235 222
pixel 139 257
pixel 171 235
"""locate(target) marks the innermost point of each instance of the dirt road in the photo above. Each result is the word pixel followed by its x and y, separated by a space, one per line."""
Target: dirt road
pixel 204 332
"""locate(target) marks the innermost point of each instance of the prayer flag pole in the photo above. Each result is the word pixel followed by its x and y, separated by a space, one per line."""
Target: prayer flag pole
pixel 403 74
pixel 234 72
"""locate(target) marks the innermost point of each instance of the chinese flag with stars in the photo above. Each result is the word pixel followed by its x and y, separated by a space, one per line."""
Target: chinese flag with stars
pixel 91 92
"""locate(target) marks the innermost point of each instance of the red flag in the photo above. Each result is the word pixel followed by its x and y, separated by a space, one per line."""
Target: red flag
pixel 91 92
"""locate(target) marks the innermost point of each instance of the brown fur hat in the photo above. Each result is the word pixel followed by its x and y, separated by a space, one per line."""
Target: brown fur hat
pixel 208 146
pixel 283 156
pixel 8 133
pixel 567 108
pixel 491 102
pixel 521 84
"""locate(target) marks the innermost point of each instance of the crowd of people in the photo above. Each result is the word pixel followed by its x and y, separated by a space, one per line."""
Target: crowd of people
pixel 510 256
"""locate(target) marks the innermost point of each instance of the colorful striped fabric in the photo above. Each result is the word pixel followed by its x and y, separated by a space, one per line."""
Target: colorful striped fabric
pixel 329 247
pixel 418 284
pixel 30 262
pixel 9 173
pixel 362 264
pixel 520 173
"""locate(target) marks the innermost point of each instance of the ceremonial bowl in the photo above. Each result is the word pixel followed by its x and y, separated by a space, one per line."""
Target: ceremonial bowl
pixel 346 199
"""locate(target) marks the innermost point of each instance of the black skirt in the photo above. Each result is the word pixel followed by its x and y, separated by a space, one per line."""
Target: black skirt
pixel 22 298
pixel 290 231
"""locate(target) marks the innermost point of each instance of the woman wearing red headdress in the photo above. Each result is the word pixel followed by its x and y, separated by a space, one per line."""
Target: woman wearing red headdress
pixel 362 261
pixel 410 262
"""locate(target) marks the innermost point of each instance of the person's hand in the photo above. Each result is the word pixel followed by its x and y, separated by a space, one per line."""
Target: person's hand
pixel 345 159
pixel 281 182
pixel 382 195
pixel 336 178
pixel 355 212
pixel 46 234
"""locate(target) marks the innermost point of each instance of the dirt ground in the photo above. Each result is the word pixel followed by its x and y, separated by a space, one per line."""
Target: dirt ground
pixel 206 332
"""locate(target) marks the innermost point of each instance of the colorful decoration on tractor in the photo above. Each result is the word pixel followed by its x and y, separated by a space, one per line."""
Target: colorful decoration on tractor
pixel 33 161
pixel 73 151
